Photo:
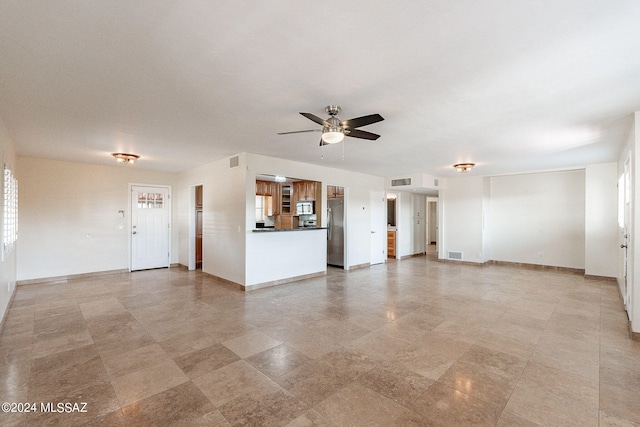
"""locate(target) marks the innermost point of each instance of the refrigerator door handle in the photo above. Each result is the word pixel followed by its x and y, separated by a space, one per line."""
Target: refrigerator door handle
pixel 329 221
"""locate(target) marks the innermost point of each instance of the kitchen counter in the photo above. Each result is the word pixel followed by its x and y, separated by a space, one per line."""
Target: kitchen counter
pixel 272 230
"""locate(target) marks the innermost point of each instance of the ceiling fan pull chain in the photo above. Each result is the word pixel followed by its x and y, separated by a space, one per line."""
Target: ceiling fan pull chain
pixel 343 149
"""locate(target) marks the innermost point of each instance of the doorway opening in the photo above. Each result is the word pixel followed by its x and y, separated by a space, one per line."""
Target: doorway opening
pixel 432 226
pixel 198 220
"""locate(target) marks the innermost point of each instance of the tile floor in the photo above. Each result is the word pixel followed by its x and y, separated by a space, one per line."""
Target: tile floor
pixel 410 343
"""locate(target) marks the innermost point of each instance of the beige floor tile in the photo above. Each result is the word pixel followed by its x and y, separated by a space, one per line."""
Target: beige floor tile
pixel 183 404
pixel 358 405
pixel 61 343
pixel 187 343
pixel 148 381
pixel 445 406
pixel 203 361
pixel 250 344
pixel 134 360
pixel 234 380
pixel 278 361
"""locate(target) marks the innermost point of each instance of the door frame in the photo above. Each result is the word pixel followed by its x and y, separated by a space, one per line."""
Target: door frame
pixel 192 226
pixel 627 273
pixel 130 206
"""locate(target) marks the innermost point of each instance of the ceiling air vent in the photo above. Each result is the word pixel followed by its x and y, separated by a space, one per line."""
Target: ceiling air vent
pixel 400 182
pixel 457 255
pixel 234 162
pixel 436 183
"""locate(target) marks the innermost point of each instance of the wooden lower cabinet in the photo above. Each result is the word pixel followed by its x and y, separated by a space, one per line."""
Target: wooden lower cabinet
pixel 284 221
pixel 391 244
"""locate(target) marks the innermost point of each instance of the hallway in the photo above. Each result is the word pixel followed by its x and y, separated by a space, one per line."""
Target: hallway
pixel 411 342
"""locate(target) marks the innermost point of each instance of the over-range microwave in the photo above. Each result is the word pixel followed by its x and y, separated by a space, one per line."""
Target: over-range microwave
pixel 304 208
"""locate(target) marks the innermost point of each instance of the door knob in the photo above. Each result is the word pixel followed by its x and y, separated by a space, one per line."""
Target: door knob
pixel 623 246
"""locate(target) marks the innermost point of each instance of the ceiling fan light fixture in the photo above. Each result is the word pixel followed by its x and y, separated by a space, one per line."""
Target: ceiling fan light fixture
pixel 332 136
pixel 464 167
pixel 125 158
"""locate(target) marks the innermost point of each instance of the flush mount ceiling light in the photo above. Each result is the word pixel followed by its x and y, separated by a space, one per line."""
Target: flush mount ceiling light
pixel 125 158
pixel 464 167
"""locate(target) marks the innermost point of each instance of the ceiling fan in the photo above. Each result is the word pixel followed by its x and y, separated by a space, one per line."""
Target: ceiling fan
pixel 334 130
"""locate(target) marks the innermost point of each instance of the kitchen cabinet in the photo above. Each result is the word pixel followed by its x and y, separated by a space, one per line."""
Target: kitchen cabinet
pixel 391 244
pixel 284 221
pixel 305 191
pixel 277 202
pixel 334 192
pixel 265 188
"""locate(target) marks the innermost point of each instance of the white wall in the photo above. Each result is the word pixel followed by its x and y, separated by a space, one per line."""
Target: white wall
pixel 539 218
pixel 486 220
pixel 8 265
pixel 601 225
pixel 404 225
pixel 460 216
pixel 60 202
pixel 224 213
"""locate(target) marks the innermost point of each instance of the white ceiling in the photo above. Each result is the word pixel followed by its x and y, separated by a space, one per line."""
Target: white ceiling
pixel 510 85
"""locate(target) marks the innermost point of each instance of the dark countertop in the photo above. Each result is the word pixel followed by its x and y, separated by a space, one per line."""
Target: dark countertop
pixel 272 230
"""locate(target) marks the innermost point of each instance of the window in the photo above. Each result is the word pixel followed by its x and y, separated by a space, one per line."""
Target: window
pixel 9 211
pixel 150 200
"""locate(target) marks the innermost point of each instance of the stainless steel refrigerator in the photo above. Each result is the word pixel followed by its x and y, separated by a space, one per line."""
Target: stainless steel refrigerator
pixel 335 232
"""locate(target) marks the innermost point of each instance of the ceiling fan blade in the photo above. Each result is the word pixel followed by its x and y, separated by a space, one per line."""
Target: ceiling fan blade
pixel 316 119
pixel 357 133
pixel 361 121
pixel 300 131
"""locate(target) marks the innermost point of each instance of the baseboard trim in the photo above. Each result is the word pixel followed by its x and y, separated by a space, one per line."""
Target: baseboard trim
pixel 577 271
pixel 474 264
pixel 358 266
pixel 6 311
pixel 283 281
pixel 225 282
pixel 69 277
pixel 594 277
pixel 412 255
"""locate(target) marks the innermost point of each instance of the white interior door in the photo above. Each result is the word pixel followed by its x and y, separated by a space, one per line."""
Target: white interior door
pixel 378 227
pixel 150 227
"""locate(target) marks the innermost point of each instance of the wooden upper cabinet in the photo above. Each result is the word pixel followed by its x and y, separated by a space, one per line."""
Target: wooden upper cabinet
pixel 305 190
pixel 199 197
pixel 277 202
pixel 265 188
pixel 334 191
pixel 310 190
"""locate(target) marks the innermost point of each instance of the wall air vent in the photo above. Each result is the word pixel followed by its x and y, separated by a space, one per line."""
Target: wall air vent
pixel 234 162
pixel 456 255
pixel 400 182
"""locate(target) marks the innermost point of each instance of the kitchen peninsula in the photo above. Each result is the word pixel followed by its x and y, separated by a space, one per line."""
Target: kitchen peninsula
pixel 288 243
